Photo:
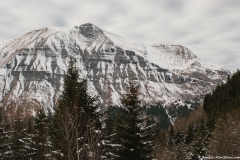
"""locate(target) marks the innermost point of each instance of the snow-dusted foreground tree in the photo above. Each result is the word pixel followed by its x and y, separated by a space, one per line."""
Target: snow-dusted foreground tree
pixel 76 122
pixel 134 137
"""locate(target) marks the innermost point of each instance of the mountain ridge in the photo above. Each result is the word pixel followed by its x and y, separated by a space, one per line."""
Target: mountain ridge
pixel 34 65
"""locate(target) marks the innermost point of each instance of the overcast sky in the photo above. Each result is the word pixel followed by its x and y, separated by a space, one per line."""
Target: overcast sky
pixel 209 28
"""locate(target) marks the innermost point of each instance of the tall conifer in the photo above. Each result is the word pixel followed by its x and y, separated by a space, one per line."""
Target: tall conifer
pixel 41 137
pixel 133 133
pixel 76 123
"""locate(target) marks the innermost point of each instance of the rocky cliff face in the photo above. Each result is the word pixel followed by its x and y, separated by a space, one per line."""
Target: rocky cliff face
pixel 33 67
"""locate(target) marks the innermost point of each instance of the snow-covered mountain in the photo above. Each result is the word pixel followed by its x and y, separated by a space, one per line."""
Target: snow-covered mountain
pixel 32 68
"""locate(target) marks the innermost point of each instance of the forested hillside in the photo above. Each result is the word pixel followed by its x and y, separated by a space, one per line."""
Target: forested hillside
pixel 212 131
pixel 224 99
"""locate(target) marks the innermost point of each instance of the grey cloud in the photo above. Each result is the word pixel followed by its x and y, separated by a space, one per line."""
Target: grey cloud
pixel 209 28
pixel 174 5
pixel 60 22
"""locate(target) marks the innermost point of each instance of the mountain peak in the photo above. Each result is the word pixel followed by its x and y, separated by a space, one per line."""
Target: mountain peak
pixel 33 67
pixel 89 30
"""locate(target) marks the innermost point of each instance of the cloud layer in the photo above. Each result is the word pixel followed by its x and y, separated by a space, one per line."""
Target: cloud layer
pixel 211 29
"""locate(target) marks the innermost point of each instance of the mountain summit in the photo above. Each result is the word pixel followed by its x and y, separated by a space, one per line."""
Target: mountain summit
pixel 89 30
pixel 33 68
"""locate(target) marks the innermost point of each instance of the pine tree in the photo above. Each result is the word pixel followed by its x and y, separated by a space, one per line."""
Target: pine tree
pixel 21 146
pixel 179 137
pixel 41 137
pixel 135 139
pixel 189 135
pixel 108 133
pixel 201 140
pixel 4 137
pixel 76 123
pixel 7 138
pixel 171 135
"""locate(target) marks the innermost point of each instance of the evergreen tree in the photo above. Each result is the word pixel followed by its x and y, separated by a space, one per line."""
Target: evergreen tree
pixel 21 146
pixel 4 137
pixel 135 139
pixel 76 123
pixel 41 135
pixel 108 136
pixel 171 135
pixel 179 137
pixel 201 140
pixel 189 135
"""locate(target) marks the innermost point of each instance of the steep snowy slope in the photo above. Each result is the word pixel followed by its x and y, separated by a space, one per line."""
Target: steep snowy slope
pixel 33 67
